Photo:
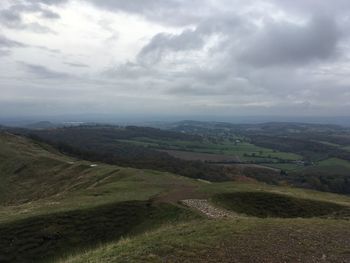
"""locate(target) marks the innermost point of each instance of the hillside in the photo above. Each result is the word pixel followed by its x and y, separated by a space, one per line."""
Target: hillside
pixel 52 203
pixel 303 155
pixel 246 241
pixel 55 208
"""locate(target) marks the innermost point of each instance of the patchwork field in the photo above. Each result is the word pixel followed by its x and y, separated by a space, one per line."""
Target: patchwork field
pixel 198 156
pixel 240 150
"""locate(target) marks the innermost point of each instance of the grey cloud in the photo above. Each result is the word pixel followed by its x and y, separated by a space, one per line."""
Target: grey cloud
pixel 49 2
pixel 77 65
pixel 38 28
pixel 277 43
pixel 315 6
pixel 11 17
pixel 43 72
pixel 8 43
pixel 137 6
pixel 190 39
pixel 287 43
pixel 173 12
pixel 4 52
pixel 51 50
pixel 128 70
pixel 49 14
pixel 163 43
pixel 277 52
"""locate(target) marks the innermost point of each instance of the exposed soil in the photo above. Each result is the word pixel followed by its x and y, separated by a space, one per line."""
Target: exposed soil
pixel 208 209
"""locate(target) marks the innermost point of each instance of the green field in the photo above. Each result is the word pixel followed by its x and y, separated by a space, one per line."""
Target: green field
pixel 334 162
pixel 329 143
pixel 346 148
pixel 330 166
pixel 245 151
pixel 57 208
pixel 289 167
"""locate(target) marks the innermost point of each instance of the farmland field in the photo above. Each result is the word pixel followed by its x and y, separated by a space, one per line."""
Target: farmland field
pixel 243 150
pixel 331 166
pixel 289 167
pixel 347 148
pixel 189 155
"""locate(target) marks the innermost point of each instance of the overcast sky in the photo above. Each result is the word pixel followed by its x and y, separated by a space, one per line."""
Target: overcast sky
pixel 176 57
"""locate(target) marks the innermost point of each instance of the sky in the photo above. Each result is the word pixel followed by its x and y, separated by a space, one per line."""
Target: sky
pixel 175 57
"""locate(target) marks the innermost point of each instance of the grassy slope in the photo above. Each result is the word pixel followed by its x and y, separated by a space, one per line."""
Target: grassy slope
pixel 37 180
pixel 264 204
pixel 76 206
pixel 229 187
pixel 54 203
pixel 249 240
pixel 246 239
pixel 49 236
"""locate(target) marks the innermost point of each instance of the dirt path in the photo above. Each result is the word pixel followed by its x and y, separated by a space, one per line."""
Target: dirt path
pixel 208 209
pixel 188 196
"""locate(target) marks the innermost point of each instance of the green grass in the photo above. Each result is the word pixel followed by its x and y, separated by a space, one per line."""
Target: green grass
pixel 237 187
pixel 37 180
pixel 48 236
pixel 127 184
pixel 243 240
pixel 264 204
pixel 54 204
